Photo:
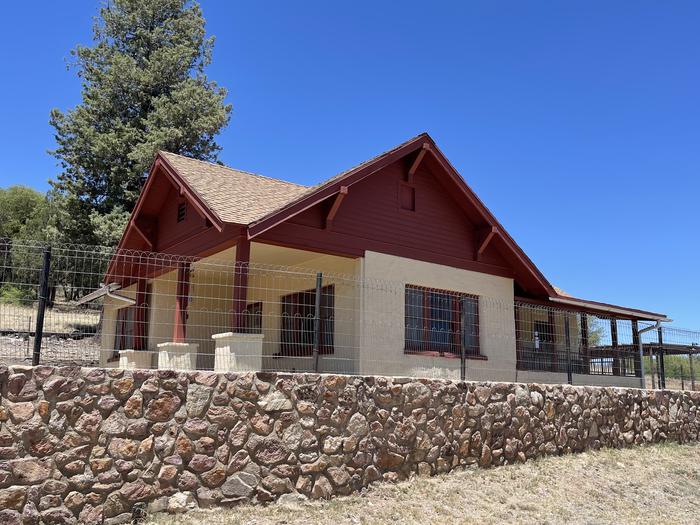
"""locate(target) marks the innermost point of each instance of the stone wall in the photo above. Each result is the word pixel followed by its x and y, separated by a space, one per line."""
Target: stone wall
pixel 92 444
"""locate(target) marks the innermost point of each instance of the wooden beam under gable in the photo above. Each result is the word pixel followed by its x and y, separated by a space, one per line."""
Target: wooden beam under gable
pixel 486 235
pixel 336 206
pixel 419 158
pixel 143 236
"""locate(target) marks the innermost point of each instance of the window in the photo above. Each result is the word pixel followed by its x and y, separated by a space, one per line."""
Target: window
pixel 442 322
pixel 298 322
pixel 131 331
pixel 252 318
pixel 124 333
pixel 181 211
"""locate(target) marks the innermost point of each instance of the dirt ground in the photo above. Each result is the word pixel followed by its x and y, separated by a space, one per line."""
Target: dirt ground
pixel 655 485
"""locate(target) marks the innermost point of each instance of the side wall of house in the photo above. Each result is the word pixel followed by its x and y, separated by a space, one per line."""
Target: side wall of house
pixel 383 334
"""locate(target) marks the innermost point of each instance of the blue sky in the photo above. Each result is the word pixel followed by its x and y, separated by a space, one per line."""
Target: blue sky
pixel 578 123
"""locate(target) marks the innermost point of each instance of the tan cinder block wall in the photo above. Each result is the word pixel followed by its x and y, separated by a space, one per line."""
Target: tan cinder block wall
pixel 382 349
pixel 102 440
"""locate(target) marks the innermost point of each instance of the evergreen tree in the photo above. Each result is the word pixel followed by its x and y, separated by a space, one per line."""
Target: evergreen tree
pixel 144 88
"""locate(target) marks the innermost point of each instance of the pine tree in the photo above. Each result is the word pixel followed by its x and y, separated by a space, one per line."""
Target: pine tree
pixel 144 88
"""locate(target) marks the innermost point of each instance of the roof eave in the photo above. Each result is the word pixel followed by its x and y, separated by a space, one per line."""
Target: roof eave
pixel 610 308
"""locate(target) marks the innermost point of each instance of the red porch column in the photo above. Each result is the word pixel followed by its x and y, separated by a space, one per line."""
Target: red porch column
pixel 181 299
pixel 240 284
pixel 140 315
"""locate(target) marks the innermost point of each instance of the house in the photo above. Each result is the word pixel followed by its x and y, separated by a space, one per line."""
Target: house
pixel 416 277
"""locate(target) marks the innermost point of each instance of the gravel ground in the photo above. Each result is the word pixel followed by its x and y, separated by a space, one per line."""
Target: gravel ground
pixel 655 485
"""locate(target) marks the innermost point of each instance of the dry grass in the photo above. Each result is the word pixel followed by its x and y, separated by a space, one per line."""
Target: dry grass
pixel 59 319
pixel 659 484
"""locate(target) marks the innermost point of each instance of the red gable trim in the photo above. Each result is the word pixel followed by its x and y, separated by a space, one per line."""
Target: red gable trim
pixel 363 171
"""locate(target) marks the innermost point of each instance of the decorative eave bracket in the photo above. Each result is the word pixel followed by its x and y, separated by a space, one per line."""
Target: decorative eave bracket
pixel 336 206
pixel 486 235
pixel 416 162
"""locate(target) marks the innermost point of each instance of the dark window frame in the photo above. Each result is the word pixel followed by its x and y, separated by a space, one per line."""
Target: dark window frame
pixel 252 318
pixel 124 332
pixel 297 322
pixel 424 334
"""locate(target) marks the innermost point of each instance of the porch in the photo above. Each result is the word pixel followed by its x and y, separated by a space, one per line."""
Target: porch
pixel 243 308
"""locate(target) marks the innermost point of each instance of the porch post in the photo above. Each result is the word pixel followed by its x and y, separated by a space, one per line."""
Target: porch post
pixel 240 284
pixel 662 368
pixel 638 368
pixel 181 299
pixel 553 349
pixel 584 342
pixel 616 357
pixel 140 315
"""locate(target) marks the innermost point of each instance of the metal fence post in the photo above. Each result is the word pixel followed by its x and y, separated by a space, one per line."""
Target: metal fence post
pixel 41 308
pixel 462 342
pixel 317 320
pixel 682 379
pixel 569 373
pixel 692 369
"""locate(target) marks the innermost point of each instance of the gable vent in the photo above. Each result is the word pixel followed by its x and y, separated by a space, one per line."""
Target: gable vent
pixel 181 211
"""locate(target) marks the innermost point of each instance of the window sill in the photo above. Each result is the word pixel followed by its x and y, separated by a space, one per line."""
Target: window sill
pixel 446 355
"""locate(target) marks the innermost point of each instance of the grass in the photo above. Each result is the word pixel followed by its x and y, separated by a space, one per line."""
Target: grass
pixel 21 318
pixel 657 484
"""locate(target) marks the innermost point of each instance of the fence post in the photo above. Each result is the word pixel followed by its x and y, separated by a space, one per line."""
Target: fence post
pixel 317 320
pixel 662 367
pixel 682 380
pixel 462 342
pixel 569 373
pixel 41 308
pixel 692 370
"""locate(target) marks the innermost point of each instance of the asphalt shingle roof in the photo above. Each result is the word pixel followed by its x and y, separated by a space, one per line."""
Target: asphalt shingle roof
pixel 233 195
pixel 242 197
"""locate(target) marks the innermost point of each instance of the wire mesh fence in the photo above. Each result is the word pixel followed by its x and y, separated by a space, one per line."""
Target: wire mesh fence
pixel 103 307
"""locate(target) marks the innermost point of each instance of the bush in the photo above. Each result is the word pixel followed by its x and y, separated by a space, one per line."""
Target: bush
pixel 15 295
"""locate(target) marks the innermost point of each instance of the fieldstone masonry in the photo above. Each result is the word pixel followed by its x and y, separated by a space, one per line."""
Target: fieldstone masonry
pixel 94 445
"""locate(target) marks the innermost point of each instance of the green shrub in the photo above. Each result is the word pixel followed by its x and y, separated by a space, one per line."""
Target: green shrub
pixel 15 295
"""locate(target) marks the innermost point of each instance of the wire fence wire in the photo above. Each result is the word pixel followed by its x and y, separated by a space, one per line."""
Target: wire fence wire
pixel 131 309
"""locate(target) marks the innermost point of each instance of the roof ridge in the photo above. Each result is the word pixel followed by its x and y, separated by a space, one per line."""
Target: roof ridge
pixel 229 168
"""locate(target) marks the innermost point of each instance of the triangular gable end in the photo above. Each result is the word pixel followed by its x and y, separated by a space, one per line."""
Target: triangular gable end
pixel 167 210
pixel 415 159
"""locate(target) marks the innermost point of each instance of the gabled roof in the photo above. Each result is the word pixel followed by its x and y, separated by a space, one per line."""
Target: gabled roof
pixel 260 203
